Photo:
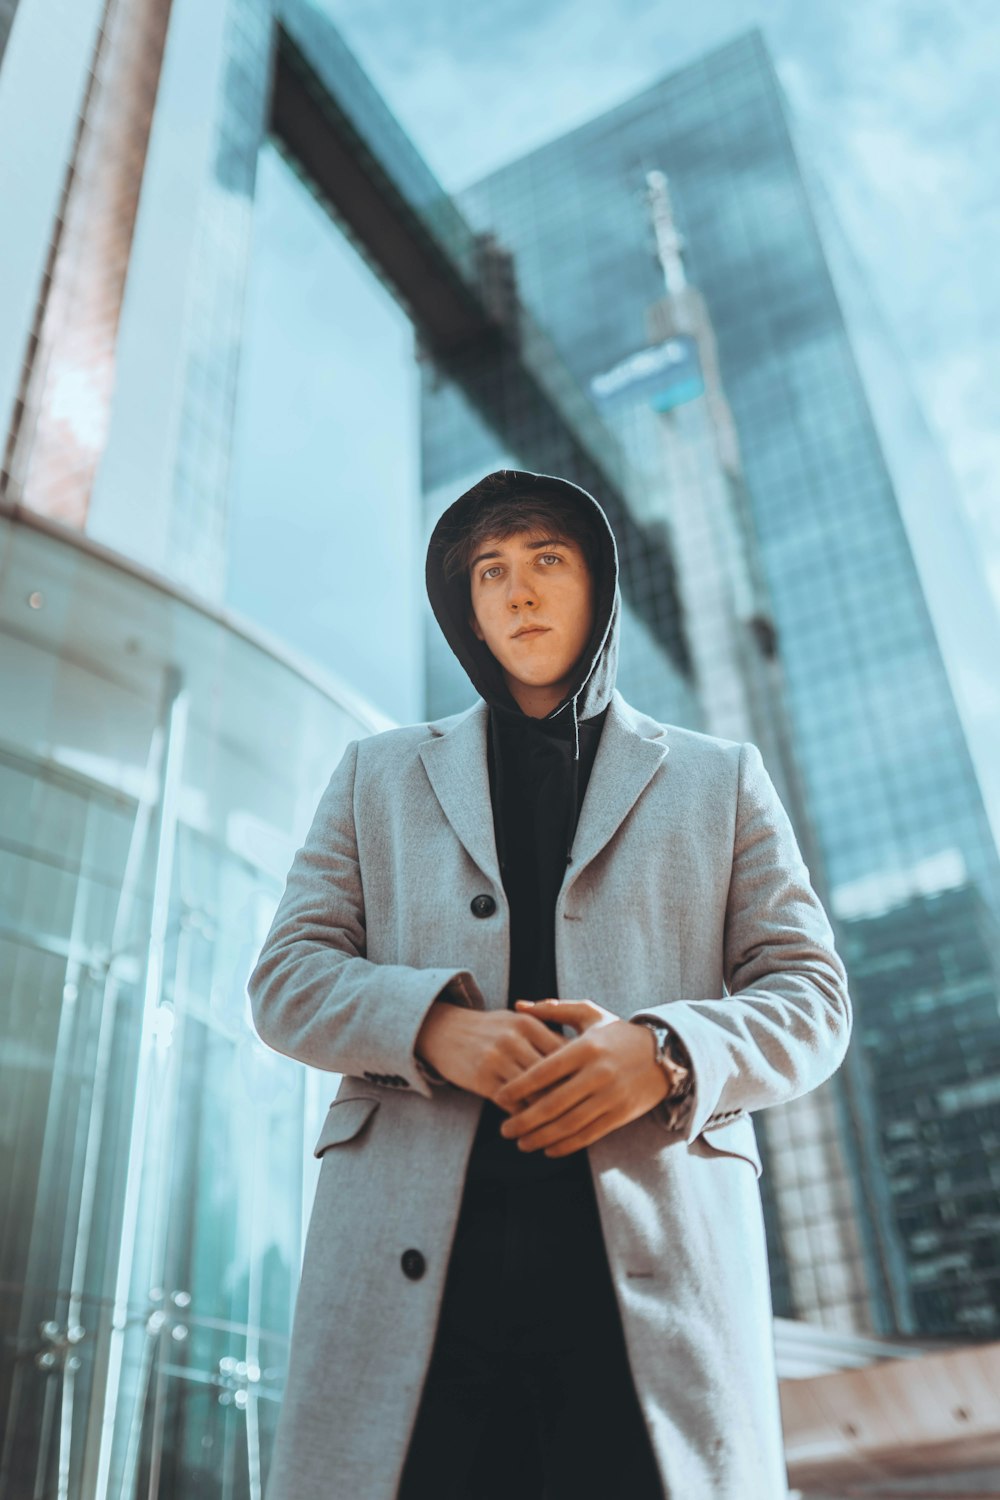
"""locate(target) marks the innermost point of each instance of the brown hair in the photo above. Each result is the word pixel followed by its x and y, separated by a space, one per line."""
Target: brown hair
pixel 505 517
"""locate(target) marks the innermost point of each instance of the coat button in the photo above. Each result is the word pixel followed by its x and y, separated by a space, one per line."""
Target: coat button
pixel 483 906
pixel 413 1264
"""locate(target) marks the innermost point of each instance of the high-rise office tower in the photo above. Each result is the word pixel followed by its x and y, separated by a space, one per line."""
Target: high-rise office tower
pixel 890 786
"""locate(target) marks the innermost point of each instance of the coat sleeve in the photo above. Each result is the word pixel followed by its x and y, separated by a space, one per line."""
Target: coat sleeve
pixel 784 1025
pixel 313 993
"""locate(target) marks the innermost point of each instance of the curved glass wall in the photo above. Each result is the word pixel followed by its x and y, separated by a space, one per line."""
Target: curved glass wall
pixel 158 768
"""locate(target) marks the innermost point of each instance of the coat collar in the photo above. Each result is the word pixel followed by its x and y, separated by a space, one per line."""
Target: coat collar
pixel 631 749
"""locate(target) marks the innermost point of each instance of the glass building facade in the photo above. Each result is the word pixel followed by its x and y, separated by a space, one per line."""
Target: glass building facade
pixel 157 1169
pixel 889 784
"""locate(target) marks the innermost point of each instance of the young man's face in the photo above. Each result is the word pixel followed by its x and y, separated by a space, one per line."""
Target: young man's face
pixel 533 579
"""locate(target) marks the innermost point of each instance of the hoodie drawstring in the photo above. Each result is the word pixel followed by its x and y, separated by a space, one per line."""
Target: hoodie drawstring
pixel 498 774
pixel 575 784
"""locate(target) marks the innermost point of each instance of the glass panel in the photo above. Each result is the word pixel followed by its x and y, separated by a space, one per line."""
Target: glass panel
pixel 156 1174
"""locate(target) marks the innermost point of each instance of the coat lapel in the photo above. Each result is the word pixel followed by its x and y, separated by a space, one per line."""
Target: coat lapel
pixel 456 765
pixel 632 748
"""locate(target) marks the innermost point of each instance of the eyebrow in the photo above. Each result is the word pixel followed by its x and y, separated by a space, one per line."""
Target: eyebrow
pixel 546 541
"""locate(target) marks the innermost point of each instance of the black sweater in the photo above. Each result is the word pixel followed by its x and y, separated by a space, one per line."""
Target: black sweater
pixel 534 819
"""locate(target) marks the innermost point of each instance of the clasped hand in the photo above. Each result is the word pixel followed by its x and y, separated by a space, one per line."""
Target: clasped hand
pixel 600 1080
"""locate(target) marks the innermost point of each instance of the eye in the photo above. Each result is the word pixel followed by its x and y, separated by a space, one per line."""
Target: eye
pixel 553 556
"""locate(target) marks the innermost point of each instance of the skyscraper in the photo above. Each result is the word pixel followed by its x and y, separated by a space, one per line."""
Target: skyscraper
pixel 889 784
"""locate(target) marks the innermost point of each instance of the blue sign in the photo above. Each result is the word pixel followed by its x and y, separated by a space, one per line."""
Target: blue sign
pixel 666 375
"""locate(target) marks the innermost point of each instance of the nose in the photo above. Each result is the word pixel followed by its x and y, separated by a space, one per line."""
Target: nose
pixel 520 588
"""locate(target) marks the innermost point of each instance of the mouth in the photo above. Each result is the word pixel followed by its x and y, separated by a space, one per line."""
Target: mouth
pixel 531 630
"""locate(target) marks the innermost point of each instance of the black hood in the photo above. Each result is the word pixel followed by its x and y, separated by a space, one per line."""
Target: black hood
pixel 586 701
pixel 593 681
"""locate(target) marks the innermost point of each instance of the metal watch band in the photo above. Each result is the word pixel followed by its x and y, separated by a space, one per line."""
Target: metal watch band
pixel 671 1056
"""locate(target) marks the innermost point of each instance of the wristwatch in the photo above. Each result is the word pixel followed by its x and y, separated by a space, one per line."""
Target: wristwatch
pixel 671 1056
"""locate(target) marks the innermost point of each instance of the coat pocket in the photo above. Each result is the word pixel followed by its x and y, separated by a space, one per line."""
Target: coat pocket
pixel 345 1119
pixel 735 1138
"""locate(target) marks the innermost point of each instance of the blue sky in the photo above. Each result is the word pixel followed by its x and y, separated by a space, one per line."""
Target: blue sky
pixel 893 101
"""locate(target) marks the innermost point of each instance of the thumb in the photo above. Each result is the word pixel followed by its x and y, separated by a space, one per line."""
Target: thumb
pixel 579 1013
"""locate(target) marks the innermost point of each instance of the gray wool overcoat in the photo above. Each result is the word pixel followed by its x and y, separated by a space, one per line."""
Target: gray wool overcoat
pixel 686 898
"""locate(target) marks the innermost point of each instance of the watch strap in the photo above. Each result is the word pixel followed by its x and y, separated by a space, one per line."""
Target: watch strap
pixel 672 1056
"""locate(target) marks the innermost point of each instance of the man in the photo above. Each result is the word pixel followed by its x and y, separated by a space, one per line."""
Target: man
pixel 559 952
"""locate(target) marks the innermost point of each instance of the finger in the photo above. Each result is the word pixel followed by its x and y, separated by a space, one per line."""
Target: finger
pixel 522 1104
pixel 521 1053
pixel 549 1105
pixel 539 1025
pixel 542 1038
pixel 551 1003
pixel 595 1131
pixel 567 1124
pixel 561 1063
pixel 580 1013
